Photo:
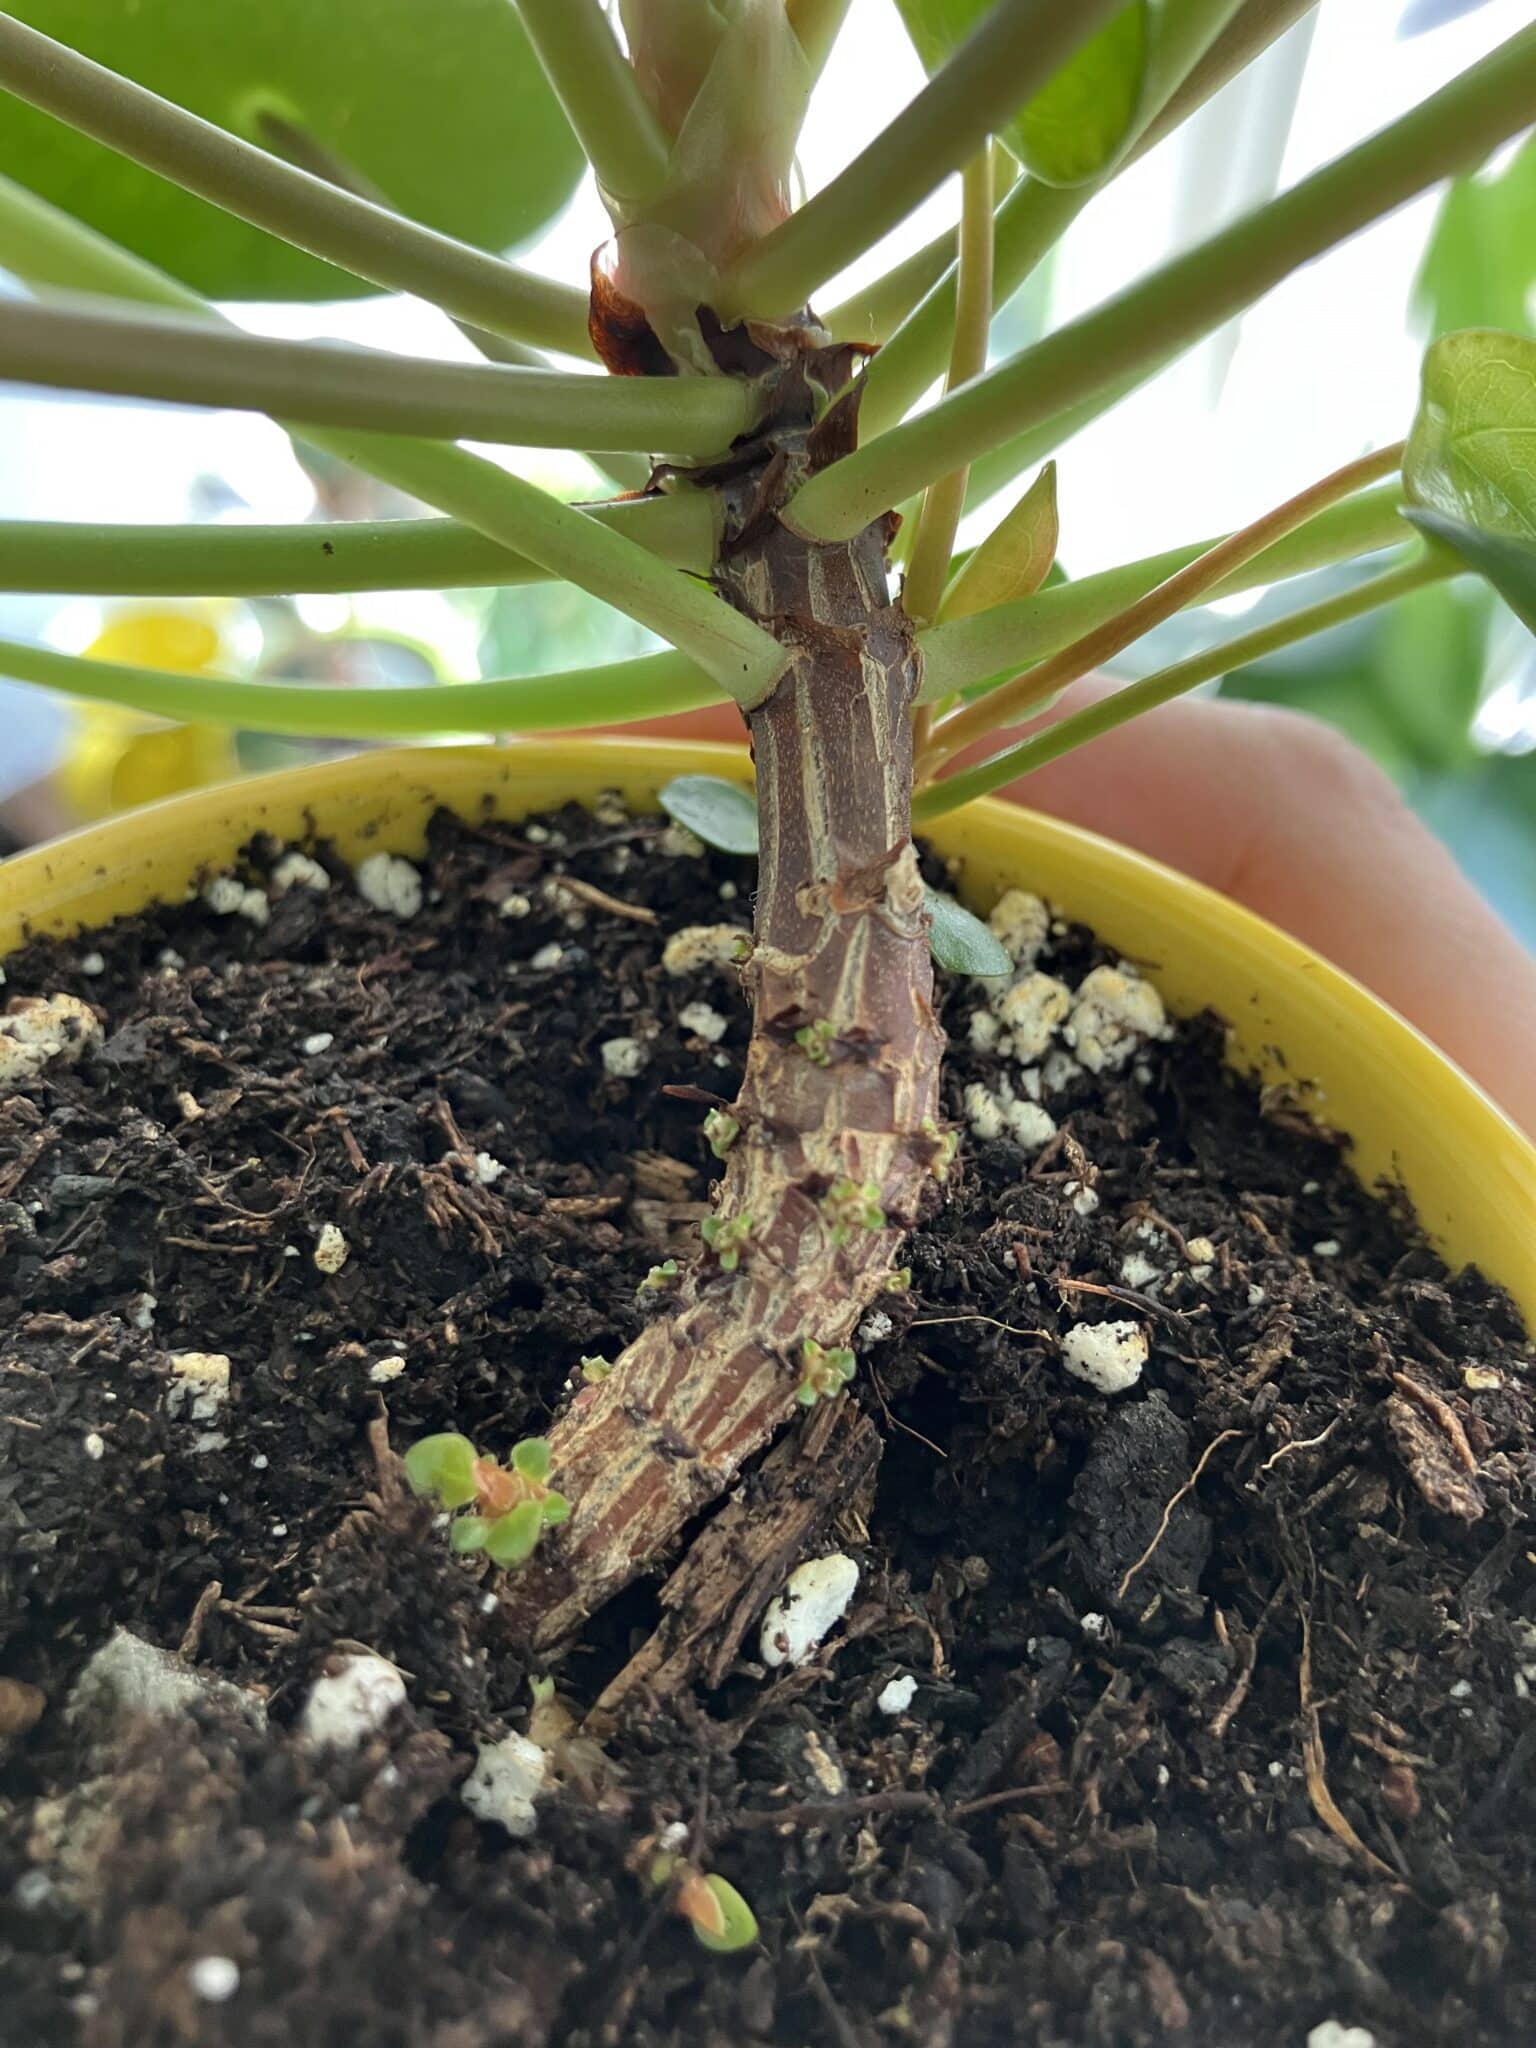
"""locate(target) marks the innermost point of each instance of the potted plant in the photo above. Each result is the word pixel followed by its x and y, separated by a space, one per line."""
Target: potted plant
pixel 859 1197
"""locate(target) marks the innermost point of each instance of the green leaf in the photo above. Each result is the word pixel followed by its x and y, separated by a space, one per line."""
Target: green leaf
pixel 556 1509
pixel 513 1537
pixel 443 1467
pixel 530 1458
pixel 961 942
pixel 738 1928
pixel 1470 466
pixel 469 1533
pixel 1091 113
pixel 443 114
pixel 1509 565
pixel 1014 559
pixel 721 813
pixel 1479 267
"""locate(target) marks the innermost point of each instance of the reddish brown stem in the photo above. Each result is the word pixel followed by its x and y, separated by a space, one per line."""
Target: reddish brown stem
pixel 841 1079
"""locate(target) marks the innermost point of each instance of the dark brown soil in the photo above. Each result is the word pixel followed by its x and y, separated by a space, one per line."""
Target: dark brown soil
pixel 1222 1726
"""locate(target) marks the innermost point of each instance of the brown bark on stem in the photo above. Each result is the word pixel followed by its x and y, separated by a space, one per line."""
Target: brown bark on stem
pixel 841 952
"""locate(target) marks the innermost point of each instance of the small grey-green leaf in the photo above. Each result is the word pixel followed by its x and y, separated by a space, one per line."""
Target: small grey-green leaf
pixel 961 942
pixel 720 813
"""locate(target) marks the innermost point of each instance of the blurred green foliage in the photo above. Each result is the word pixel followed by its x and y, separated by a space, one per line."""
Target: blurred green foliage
pixel 1408 683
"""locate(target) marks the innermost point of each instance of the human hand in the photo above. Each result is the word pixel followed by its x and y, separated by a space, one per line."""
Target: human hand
pixel 1283 814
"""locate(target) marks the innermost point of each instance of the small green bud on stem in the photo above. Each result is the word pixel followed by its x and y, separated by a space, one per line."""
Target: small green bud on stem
pixel 726 1237
pixel 849 1206
pixel 721 1131
pixel 815 1041
pixel 823 1373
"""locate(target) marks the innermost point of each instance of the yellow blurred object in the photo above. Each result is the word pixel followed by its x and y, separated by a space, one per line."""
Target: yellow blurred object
pixel 1412 1116
pixel 118 760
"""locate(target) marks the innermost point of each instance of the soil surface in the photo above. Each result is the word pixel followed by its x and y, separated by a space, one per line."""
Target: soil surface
pixel 1221 1725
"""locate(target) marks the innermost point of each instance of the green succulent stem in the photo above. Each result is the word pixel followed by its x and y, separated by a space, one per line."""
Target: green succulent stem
pixel 1014 699
pixel 650 687
pixel 910 309
pixel 45 247
pixel 818 24
pixel 1011 55
pixel 1183 300
pixel 1136 699
pixel 593 81
pixel 961 654
pixel 371 241
pixel 944 500
pixel 83 346
pixel 68 557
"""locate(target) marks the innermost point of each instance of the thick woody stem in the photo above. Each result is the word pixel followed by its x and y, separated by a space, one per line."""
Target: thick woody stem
pixel 841 1080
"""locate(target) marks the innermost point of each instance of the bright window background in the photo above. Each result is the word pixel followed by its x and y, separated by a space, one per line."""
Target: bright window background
pixel 1323 368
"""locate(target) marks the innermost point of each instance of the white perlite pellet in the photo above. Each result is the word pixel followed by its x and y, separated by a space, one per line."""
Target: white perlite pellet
pixel 897 1696
pixel 1022 924
pixel 488 1169
pixel 507 1778
pixel 1109 1356
pixel 199 1384
pixel 1139 1271
pixel 299 871
pixel 703 1021
pixel 807 1607
pixel 317 1042
pixel 389 883
pixel 384 1370
pixel 226 896
pixel 214 1979
pixel 623 1058
pixel 1335 2034
pixel 38 1029
pixel 997 1113
pixel 703 949
pixel 350 1704
pixel 1031 1012
pixel 331 1249
pixel 1114 1013
pixel 984 1030
pixel 128 1679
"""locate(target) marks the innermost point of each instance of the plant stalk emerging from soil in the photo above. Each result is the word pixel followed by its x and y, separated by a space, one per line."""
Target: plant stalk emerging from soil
pixel 842 1074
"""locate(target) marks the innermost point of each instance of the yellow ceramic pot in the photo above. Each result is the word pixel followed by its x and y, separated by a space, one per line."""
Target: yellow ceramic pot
pixel 1413 1117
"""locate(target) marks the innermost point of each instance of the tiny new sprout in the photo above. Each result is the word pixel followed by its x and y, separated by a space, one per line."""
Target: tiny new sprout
pixel 512 1505
pixel 851 1205
pixel 823 1373
pixel 594 1369
pixel 898 1280
pixel 721 1131
pixel 815 1041
pixel 656 1281
pixel 726 1237
pixel 720 1917
pixel 946 1148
